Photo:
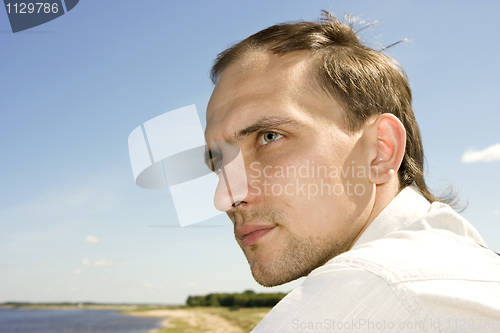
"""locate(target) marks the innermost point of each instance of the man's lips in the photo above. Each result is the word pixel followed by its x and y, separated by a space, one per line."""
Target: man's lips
pixel 250 233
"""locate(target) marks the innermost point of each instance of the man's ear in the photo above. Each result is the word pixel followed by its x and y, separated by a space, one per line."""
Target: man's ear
pixel 388 135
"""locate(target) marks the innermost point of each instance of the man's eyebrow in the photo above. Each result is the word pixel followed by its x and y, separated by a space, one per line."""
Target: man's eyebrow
pixel 209 157
pixel 263 123
pixel 260 124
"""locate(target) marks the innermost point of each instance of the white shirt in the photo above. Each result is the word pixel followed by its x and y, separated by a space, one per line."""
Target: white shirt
pixel 416 268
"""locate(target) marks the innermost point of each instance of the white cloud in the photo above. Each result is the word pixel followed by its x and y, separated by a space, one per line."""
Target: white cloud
pixel 77 271
pixel 91 239
pixel 97 263
pixel 496 211
pixel 492 153
pixel 103 262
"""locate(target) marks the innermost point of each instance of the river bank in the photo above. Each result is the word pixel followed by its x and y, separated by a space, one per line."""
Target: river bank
pixel 16 320
pixel 204 319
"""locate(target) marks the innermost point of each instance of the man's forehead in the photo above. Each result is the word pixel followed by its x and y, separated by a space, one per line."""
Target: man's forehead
pixel 255 85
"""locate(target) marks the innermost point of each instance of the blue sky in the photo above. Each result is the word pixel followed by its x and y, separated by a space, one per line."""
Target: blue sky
pixel 73 89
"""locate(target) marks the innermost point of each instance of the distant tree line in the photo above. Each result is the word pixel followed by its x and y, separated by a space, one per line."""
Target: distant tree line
pixel 247 299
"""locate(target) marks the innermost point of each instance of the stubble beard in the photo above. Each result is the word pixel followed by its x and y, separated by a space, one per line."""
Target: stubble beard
pixel 299 256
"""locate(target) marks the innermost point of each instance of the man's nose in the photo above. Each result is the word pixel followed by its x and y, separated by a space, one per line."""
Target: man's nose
pixel 232 188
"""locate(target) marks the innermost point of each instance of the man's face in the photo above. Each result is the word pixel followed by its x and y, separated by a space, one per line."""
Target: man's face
pixel 308 193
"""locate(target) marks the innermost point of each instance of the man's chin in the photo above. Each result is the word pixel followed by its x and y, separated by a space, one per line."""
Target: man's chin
pixel 269 281
pixel 271 277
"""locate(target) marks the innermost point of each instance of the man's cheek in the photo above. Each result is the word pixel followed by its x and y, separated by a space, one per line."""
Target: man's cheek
pixel 255 187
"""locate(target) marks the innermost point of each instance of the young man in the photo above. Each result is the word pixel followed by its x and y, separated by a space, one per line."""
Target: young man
pixel 334 189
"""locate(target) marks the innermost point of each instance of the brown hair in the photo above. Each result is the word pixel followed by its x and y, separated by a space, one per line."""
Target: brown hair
pixel 365 81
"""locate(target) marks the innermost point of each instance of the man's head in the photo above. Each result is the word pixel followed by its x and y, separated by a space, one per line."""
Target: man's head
pixel 322 123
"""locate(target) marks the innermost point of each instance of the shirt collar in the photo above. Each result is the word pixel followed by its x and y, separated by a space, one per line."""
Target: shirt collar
pixel 406 207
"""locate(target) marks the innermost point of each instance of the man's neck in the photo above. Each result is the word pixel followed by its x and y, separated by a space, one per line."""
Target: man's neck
pixel 383 194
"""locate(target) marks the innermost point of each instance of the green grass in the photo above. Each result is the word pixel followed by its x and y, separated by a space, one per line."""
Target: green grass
pixel 246 318
pixel 178 326
pixel 140 308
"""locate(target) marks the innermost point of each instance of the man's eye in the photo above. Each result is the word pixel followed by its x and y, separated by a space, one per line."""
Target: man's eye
pixel 217 165
pixel 269 137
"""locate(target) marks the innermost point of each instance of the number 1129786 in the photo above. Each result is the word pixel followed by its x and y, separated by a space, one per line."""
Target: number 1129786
pixel 30 8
